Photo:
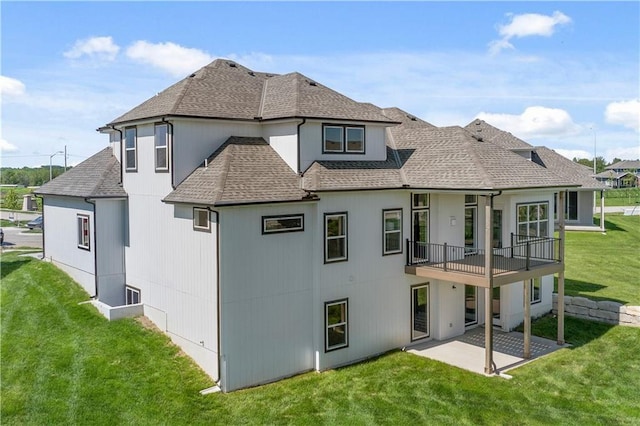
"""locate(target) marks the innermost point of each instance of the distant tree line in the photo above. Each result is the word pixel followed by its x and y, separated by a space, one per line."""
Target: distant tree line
pixel 28 176
pixel 600 163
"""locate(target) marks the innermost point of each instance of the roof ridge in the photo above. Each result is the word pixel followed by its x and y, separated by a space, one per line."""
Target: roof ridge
pixel 474 154
pixel 183 92
pixel 226 163
pixel 263 98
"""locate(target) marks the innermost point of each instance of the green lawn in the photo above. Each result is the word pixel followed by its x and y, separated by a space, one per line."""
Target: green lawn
pixel 605 267
pixel 62 363
pixel 621 197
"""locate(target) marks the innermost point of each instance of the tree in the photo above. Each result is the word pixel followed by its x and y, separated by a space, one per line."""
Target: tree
pixel 600 163
pixel 11 200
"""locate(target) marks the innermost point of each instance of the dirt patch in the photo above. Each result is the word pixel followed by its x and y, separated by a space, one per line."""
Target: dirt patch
pixel 148 324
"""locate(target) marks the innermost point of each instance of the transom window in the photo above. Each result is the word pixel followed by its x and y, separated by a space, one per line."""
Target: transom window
pixel 201 220
pixel 130 149
pixel 336 325
pixel 277 224
pixel 335 242
pixel 162 147
pixel 84 236
pixel 533 220
pixel 392 229
pixel 132 295
pixel 343 139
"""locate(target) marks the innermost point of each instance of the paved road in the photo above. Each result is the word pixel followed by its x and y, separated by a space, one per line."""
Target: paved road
pixel 618 209
pixel 19 237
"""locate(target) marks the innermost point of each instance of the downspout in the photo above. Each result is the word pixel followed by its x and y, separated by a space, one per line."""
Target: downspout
pixel 112 127
pixel 164 120
pixel 304 120
pixel 218 292
pixel 95 246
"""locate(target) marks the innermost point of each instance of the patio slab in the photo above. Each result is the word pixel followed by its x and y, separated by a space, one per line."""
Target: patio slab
pixel 467 351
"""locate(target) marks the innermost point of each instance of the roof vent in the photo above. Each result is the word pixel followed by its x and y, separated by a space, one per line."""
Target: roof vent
pixel 477 137
pixel 478 122
pixel 192 75
pixel 312 83
pixel 412 118
pixel 232 64
pixel 252 74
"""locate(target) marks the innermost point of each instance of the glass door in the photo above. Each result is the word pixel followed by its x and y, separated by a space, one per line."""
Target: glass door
pixel 419 312
pixel 496 306
pixel 470 305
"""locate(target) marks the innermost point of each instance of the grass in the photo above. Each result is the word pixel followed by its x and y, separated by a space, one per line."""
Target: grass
pixel 621 197
pixel 605 267
pixel 62 363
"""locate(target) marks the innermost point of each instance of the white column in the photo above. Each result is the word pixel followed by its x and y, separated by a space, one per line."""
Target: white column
pixel 602 228
pixel 527 318
pixel 488 300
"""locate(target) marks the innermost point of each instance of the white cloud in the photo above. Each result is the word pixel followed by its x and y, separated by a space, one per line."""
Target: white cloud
pixel 170 57
pixel 574 153
pixel 527 25
pixel 11 87
pixel 536 121
pixel 623 153
pixel 95 47
pixel 5 146
pixel 625 113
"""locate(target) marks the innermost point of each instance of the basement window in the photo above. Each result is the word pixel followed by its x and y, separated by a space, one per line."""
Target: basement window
pixel 132 295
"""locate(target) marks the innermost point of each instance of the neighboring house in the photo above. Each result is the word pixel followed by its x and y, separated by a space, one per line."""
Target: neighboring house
pixel 580 202
pixel 270 225
pixel 623 174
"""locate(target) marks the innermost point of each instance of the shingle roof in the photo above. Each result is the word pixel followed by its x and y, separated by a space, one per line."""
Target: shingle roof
pixel 96 177
pixel 225 89
pixel 571 171
pixel 242 170
pixel 406 119
pixel 624 165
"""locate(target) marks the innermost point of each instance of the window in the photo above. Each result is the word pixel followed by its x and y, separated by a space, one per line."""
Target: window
pixel 470 305
pixel 533 220
pixel 335 242
pixel 420 311
pixel 343 139
pixel 162 147
pixel 497 229
pixel 132 295
pixel 336 325
pixel 570 205
pixel 392 230
pixel 470 219
pixel 84 237
pixel 130 145
pixel 276 224
pixel 535 293
pixel 420 225
pixel 201 219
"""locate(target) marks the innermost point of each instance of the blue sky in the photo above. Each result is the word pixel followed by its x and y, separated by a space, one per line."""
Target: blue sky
pixel 561 74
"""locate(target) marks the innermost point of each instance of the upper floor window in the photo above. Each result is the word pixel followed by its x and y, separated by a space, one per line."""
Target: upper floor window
pixel 162 147
pixel 533 220
pixel 277 224
pixel 335 241
pixel 84 238
pixel 392 229
pixel 130 149
pixel 342 139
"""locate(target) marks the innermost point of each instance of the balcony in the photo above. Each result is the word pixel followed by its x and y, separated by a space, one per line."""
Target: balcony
pixel 527 257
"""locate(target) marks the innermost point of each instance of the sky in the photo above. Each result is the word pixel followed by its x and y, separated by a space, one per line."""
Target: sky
pixel 565 75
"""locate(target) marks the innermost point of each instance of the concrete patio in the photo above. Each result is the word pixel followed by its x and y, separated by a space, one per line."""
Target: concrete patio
pixel 467 351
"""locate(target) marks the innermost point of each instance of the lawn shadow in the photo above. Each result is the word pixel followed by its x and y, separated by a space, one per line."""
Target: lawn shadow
pixel 608 225
pixel 577 332
pixel 586 289
pixel 8 266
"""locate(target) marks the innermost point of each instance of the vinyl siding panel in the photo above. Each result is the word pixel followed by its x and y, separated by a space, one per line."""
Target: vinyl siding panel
pixel 110 233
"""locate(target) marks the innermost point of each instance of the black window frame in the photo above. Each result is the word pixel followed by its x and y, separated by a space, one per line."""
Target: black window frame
pixel 346 238
pixel 386 252
pixel 345 143
pixel 283 230
pixel 344 322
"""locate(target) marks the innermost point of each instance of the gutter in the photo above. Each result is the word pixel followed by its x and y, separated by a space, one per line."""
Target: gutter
pixel 304 120
pixel 121 158
pixel 218 292
pixel 95 245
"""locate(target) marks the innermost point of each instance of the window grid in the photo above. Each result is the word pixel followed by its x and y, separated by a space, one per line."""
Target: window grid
pixel 84 238
pixel 392 231
pixel 533 220
pixel 130 149
pixel 336 324
pixel 335 246
pixel 161 139
pixel 132 296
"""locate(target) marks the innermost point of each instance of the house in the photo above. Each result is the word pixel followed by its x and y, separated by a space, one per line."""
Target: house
pixel 270 226
pixel 580 202
pixel 623 174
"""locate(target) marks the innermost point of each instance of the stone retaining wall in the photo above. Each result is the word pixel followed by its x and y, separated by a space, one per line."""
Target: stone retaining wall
pixel 603 311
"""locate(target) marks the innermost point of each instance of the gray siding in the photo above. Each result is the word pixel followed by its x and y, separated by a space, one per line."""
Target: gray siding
pixel 110 233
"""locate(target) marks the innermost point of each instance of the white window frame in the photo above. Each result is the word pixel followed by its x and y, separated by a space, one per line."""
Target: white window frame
pixel 196 216
pixel 84 231
pixel 165 146
pixel 129 293
pixel 344 139
pixel 529 220
pixel 535 283
pixel 416 334
pixel 344 323
pixel 278 224
pixel 134 148
pixel 386 232
pixel 343 236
